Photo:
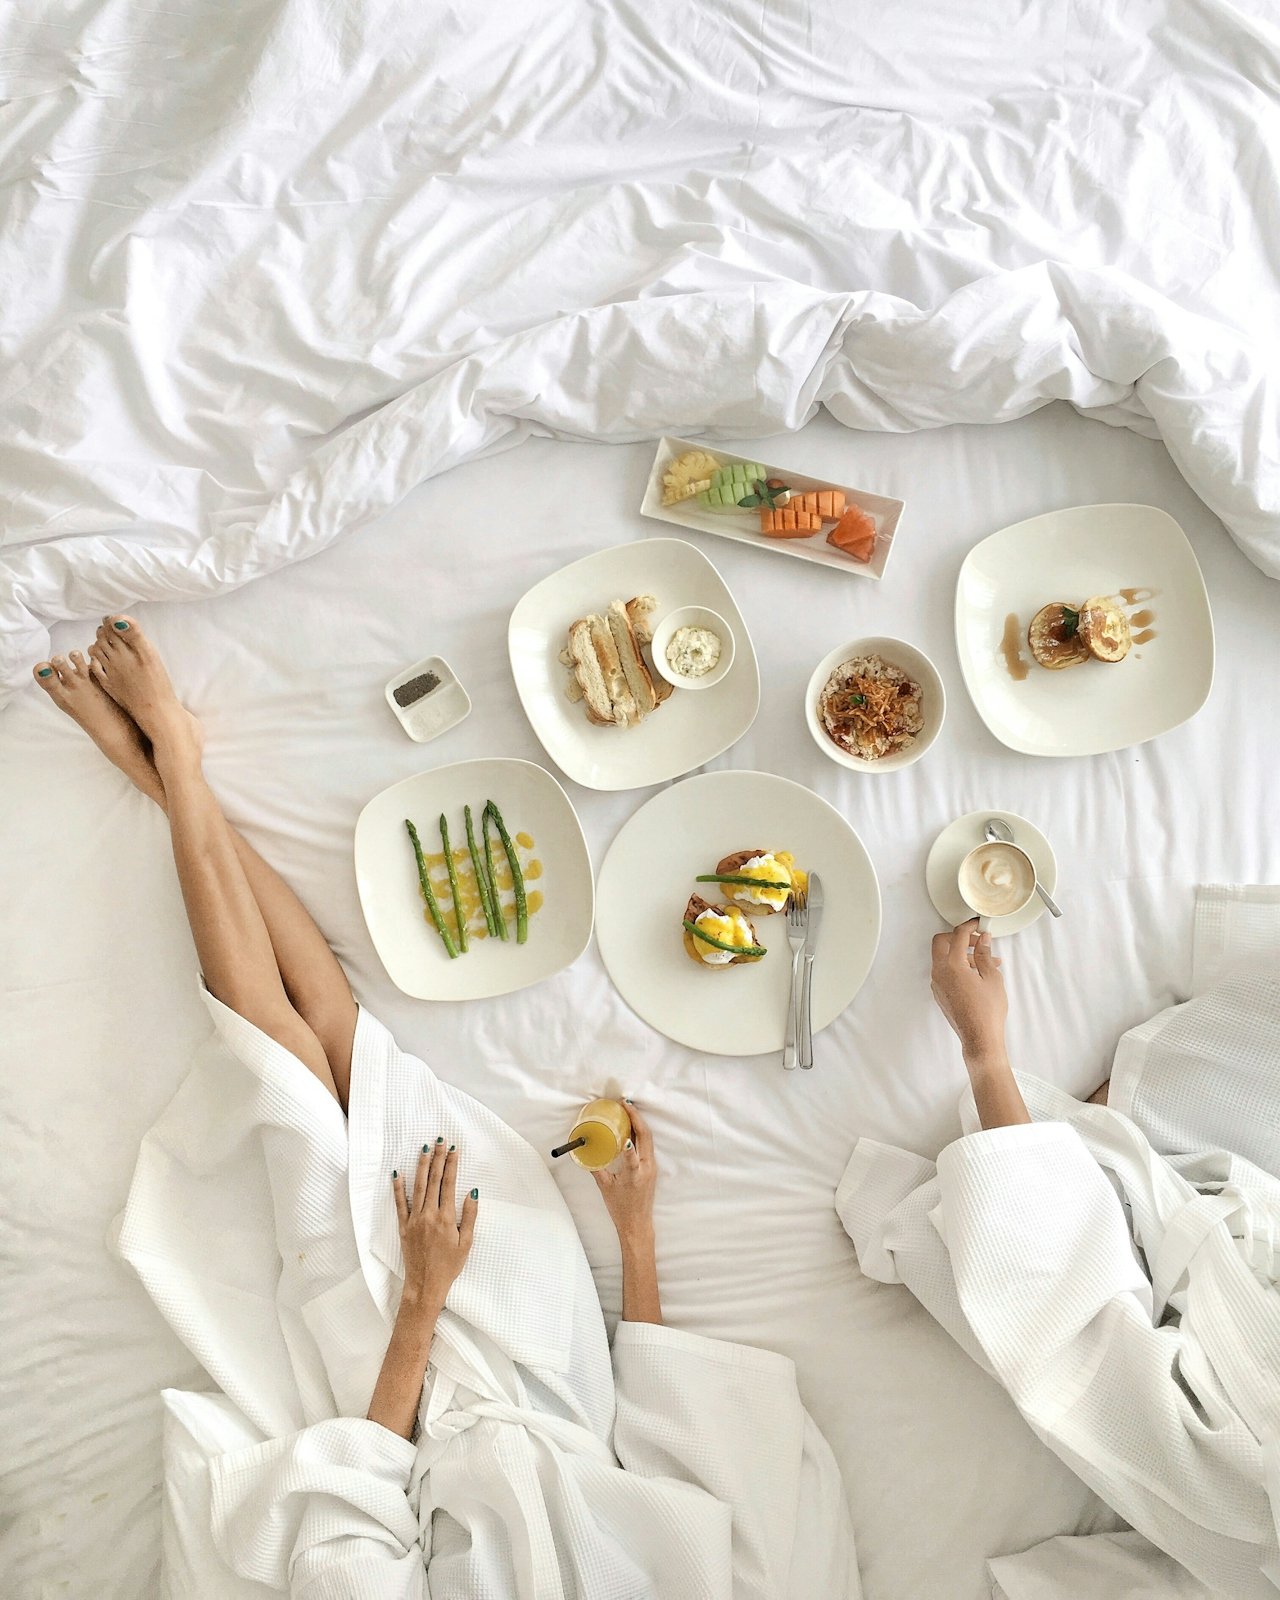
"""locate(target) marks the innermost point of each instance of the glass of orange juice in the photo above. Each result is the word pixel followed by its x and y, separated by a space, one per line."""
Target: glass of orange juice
pixel 598 1136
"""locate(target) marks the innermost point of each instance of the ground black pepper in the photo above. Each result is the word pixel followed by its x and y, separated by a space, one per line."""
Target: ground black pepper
pixel 409 693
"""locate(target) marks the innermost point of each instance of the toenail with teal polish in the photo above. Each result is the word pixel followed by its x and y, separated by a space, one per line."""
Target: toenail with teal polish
pixel 121 626
pixel 452 1148
pixel 475 1194
pixel 425 1148
pixel 440 1140
pixel 46 672
pixel 394 1173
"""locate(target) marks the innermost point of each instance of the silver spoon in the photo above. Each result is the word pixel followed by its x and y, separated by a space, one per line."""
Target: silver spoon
pixel 994 829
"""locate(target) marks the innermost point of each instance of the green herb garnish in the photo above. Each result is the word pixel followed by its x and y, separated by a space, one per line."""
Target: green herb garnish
pixel 1070 622
pixel 771 499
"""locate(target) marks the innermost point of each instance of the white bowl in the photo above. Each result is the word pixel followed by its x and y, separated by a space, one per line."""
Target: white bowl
pixel 898 653
pixel 692 617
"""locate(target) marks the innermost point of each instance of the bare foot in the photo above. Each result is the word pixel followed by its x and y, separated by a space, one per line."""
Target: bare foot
pixel 71 686
pixel 128 667
pixel 1099 1096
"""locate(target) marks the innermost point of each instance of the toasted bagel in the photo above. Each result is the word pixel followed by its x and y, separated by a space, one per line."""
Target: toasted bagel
pixel 740 895
pixel 1050 642
pixel 696 906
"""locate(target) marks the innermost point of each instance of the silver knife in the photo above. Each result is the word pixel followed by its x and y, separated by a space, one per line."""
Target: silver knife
pixel 806 971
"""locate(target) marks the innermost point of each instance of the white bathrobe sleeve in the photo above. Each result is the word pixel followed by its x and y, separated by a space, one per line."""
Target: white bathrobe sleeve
pixel 1049 1283
pixel 323 1514
pixel 727 1418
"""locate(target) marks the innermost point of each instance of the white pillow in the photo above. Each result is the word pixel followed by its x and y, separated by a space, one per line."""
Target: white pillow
pixel 198 1427
pixel 1103 1566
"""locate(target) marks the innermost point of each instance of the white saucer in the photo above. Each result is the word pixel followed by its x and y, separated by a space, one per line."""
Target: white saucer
pixel 955 842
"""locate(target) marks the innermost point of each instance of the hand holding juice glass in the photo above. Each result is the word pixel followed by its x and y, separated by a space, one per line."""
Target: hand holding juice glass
pixel 599 1135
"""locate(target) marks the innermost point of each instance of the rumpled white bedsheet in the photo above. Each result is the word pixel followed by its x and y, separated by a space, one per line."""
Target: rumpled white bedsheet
pixel 101 1014
pixel 266 267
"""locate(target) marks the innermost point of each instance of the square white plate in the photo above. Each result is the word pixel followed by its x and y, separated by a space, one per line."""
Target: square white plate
pixel 746 529
pixel 532 802
pixel 687 729
pixel 1072 555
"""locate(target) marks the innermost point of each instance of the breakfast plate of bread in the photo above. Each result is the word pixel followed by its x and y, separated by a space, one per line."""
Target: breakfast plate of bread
pixel 580 648
pixel 1085 630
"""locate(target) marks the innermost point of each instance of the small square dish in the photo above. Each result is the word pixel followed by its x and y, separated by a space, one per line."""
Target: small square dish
pixel 1140 559
pixel 744 526
pixel 428 699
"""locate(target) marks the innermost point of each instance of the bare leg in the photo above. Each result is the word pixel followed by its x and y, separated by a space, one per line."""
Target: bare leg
pixel 312 979
pixel 1099 1096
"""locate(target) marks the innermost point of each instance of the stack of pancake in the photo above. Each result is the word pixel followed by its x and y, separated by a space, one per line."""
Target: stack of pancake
pixel 1061 635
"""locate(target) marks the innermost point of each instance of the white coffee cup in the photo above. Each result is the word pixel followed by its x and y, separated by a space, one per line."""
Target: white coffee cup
pixel 996 880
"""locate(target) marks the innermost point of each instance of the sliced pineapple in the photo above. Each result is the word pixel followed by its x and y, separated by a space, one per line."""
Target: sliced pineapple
pixel 688 475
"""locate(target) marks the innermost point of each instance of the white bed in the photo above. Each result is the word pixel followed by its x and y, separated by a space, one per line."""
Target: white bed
pixel 287 675
pixel 269 268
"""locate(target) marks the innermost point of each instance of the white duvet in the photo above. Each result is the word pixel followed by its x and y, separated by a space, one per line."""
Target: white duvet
pixel 266 267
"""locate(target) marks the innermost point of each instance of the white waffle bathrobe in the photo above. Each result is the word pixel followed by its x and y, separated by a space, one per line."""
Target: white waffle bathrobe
pixel 261 1222
pixel 1118 1271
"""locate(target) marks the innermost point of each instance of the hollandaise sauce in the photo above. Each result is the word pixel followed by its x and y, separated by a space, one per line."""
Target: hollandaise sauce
pixel 469 901
pixel 769 879
pixel 720 935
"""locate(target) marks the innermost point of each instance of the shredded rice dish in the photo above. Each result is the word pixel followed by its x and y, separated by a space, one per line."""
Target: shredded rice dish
pixel 870 708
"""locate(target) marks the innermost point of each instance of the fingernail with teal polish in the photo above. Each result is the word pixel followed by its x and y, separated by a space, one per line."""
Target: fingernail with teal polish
pixel 46 672
pixel 475 1194
pixel 121 627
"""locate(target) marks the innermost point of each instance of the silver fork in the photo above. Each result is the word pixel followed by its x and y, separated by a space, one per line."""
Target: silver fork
pixel 797 928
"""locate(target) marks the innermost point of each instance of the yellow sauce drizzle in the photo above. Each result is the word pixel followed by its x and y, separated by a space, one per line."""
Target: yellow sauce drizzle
pixel 469 894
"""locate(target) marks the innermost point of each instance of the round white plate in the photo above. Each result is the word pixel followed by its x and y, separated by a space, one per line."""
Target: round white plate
pixel 1071 555
pixel 955 842
pixel 648 876
pixel 532 802
pixel 688 730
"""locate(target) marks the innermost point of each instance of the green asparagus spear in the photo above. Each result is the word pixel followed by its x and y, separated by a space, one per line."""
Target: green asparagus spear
pixel 719 944
pixel 499 915
pixel 517 876
pixel 733 877
pixel 458 915
pixel 428 893
pixel 482 885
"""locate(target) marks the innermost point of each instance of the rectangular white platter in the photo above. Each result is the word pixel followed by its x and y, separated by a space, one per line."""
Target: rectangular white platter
pixel 745 530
